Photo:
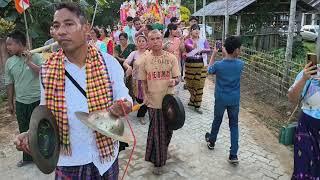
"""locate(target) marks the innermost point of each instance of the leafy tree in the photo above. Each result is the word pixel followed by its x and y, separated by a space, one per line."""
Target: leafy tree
pixel 40 15
pixel 6 27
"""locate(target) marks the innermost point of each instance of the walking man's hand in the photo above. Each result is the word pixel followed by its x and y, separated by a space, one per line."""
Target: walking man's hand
pixel 22 142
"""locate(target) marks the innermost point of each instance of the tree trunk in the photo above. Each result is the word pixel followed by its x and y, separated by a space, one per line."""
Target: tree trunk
pixel 288 54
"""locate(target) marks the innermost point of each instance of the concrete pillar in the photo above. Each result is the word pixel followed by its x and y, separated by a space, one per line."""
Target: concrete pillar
pixel 223 29
pixel 288 54
pixel 226 20
pixel 204 2
pixel 238 25
pixel 303 19
pixel 313 19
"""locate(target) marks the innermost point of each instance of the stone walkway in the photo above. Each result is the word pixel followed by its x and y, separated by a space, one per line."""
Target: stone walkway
pixel 261 157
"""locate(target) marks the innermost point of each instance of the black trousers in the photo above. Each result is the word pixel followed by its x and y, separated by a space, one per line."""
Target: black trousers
pixel 23 113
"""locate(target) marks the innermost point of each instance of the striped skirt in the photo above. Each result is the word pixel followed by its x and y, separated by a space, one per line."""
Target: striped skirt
pixel 195 77
pixel 86 172
pixel 158 138
pixel 307 149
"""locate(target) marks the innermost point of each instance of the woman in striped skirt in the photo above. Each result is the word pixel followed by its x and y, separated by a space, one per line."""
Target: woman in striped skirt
pixel 196 62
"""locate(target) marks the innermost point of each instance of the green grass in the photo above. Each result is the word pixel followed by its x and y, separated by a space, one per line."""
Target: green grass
pixel 310 47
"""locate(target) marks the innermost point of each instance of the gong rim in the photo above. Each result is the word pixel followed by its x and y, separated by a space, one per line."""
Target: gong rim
pixel 44 139
pixel 172 101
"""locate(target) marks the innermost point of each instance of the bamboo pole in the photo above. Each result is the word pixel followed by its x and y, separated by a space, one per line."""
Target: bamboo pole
pixel 94 14
pixel 43 48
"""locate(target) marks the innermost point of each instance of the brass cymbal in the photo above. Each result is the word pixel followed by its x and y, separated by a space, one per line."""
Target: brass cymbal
pixel 107 124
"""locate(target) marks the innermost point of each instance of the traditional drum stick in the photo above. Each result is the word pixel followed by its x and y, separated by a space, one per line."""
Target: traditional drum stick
pixel 136 107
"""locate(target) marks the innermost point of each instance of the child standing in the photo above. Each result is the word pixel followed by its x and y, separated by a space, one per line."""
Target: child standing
pixel 227 93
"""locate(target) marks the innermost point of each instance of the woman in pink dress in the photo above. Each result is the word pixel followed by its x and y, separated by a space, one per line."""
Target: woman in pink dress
pixel 173 42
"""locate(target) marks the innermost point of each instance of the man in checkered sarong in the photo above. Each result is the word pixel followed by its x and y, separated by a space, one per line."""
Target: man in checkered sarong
pixel 84 154
pixel 159 72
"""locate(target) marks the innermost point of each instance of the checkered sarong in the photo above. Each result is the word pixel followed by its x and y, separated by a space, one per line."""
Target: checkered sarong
pixel 159 137
pixel 99 96
pixel 88 171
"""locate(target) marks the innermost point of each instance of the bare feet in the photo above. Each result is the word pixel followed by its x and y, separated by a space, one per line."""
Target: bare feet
pixel 157 170
pixel 23 163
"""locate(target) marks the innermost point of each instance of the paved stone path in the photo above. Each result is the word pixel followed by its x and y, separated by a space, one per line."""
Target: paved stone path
pixel 261 157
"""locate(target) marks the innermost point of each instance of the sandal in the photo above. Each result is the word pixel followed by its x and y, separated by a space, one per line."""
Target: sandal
pixel 142 120
pixel 198 110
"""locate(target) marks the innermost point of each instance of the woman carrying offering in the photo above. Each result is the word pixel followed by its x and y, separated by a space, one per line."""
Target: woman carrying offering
pixel 131 64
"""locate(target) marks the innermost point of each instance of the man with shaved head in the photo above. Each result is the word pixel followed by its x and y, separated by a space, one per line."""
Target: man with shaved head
pixel 159 71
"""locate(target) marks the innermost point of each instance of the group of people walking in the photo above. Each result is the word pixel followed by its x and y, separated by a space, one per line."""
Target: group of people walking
pixel 141 65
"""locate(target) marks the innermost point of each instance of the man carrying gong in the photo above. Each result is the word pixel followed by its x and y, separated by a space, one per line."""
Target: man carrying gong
pixel 159 71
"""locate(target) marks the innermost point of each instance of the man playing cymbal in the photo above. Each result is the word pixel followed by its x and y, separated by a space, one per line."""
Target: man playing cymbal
pixel 84 153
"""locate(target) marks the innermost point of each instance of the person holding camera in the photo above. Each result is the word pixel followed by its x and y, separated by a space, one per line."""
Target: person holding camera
pixel 227 93
pixel 22 80
pixel 306 89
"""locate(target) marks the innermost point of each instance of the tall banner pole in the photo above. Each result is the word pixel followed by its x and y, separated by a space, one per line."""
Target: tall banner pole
pixel 94 14
pixel 26 26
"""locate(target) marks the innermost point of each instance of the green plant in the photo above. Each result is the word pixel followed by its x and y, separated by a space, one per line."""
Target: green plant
pixel 310 47
pixel 298 50
pixel 6 27
pixel 185 13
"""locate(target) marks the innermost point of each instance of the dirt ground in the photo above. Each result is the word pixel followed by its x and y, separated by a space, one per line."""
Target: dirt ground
pixel 270 108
